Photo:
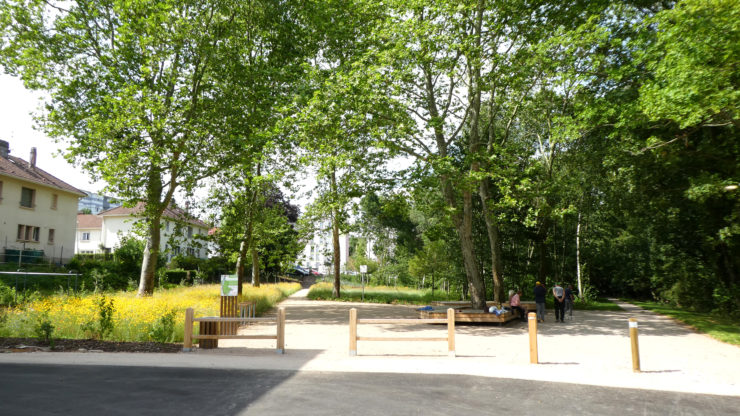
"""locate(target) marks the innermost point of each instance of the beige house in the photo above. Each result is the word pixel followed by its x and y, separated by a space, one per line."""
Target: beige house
pixel 181 233
pixel 37 210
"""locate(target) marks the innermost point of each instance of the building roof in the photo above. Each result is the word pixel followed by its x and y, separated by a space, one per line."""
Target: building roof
pixel 16 167
pixel 173 213
pixel 89 221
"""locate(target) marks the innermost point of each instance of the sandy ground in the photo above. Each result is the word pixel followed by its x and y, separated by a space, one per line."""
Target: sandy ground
pixel 593 348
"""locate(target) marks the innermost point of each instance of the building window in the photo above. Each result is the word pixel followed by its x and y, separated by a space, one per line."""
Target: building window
pixel 28 233
pixel 176 251
pixel 54 200
pixel 167 226
pixel 51 236
pixel 191 251
pixel 28 197
pixel 85 236
pixel 190 232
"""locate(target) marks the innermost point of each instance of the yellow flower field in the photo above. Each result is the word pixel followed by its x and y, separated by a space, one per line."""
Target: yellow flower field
pixel 133 318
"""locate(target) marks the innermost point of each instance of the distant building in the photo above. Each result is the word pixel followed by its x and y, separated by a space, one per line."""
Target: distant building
pixel 181 234
pixel 318 253
pixel 37 209
pixel 97 203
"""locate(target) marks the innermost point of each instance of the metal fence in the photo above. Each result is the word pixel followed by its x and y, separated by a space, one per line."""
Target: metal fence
pixel 24 257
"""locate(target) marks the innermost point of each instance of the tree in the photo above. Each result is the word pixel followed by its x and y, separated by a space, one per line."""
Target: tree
pixel 141 90
pixel 335 131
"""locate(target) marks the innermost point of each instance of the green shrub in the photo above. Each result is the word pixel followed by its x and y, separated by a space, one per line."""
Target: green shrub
pixel 164 329
pixel 104 325
pixel 44 330
pixel 7 295
pixel 176 276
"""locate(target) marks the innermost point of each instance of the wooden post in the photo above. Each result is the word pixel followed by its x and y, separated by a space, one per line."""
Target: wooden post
pixel 187 344
pixel 451 332
pixel 352 332
pixel 635 346
pixel 228 310
pixel 281 331
pixel 533 356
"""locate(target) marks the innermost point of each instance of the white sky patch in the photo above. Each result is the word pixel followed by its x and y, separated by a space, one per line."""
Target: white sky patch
pixel 16 127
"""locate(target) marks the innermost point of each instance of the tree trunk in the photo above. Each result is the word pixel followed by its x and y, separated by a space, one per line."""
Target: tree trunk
pixel 494 241
pixel 336 255
pixel 464 227
pixel 149 262
pixel 240 263
pixel 255 267
pixel 578 255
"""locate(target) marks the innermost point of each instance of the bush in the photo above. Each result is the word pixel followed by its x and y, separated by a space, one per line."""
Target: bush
pixel 104 325
pixel 176 276
pixel 7 295
pixel 164 329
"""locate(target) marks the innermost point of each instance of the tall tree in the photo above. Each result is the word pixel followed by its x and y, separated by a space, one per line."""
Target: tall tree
pixel 141 90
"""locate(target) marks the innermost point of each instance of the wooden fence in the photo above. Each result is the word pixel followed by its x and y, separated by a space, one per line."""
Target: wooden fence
pixel 226 323
pixel 353 337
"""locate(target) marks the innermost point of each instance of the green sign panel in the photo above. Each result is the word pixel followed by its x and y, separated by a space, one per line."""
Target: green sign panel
pixel 229 285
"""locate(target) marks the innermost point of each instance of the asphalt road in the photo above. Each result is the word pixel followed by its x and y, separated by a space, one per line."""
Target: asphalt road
pixel 27 389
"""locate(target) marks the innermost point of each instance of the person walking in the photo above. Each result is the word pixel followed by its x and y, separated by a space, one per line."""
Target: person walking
pixel 539 299
pixel 559 294
pixel 569 298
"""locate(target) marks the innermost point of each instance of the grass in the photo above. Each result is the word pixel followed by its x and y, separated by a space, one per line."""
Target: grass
pixel 378 294
pixel 134 319
pixel 405 295
pixel 596 305
pixel 722 328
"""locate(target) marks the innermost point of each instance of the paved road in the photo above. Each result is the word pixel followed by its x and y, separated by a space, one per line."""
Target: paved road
pixel 39 389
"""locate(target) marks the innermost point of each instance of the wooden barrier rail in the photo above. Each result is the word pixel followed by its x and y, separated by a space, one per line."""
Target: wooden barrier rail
pixel 190 320
pixel 353 337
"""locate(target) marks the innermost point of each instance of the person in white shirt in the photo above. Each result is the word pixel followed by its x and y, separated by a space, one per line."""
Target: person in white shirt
pixel 559 293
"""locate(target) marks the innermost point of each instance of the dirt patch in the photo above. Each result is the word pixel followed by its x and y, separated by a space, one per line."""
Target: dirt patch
pixel 8 345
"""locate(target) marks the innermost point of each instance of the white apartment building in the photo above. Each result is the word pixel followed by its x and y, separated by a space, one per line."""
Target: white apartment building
pixel 318 253
pixel 37 209
pixel 181 234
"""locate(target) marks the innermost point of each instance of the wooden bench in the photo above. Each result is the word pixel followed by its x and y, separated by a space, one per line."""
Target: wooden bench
pixel 467 314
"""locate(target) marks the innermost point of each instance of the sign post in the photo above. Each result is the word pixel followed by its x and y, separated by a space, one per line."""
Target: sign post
pixel 363 270
pixel 229 293
pixel 229 285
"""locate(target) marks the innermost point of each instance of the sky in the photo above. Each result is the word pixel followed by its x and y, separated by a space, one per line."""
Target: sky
pixel 16 128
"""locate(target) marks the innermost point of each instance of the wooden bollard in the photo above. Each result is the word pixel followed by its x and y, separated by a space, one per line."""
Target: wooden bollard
pixel 451 332
pixel 281 331
pixel 533 357
pixel 635 346
pixel 352 332
pixel 187 344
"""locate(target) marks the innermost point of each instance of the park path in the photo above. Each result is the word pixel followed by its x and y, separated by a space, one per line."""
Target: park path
pixel 592 348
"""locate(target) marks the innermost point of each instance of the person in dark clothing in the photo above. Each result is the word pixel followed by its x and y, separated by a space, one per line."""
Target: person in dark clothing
pixel 539 299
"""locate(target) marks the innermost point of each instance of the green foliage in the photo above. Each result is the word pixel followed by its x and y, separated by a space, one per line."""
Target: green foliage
pixel 377 294
pixel 104 325
pixel 44 330
pixel 7 295
pixel 719 326
pixel 163 329
pixel 176 276
pixel 129 254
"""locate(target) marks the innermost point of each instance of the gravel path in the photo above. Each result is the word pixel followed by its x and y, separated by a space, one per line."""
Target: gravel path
pixel 593 349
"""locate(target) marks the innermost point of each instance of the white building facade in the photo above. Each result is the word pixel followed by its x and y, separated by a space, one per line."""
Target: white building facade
pixel 318 253
pixel 37 210
pixel 180 233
